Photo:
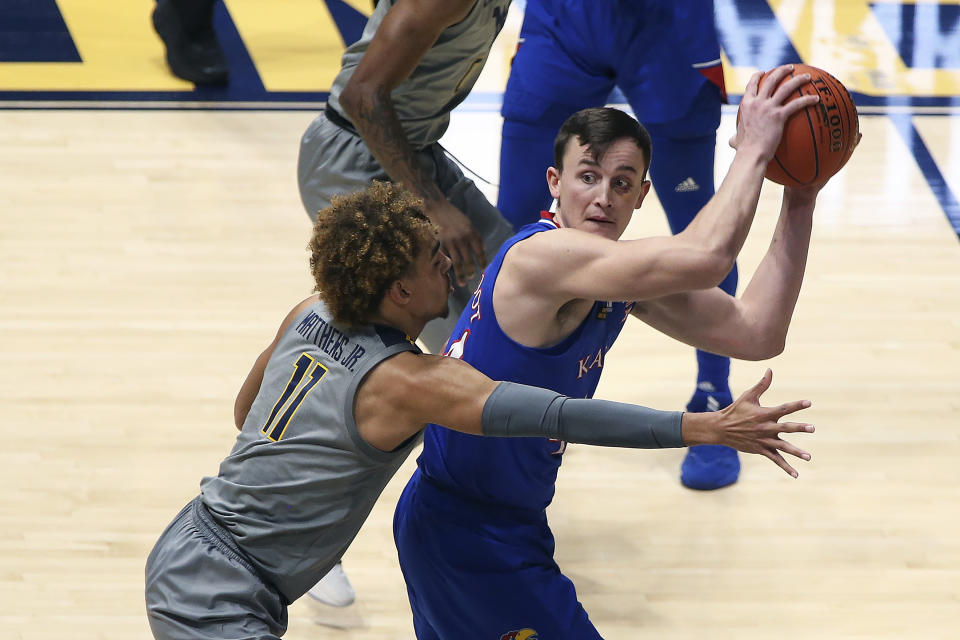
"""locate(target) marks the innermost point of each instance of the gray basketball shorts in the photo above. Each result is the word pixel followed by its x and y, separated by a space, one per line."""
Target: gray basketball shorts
pixel 198 587
pixel 334 161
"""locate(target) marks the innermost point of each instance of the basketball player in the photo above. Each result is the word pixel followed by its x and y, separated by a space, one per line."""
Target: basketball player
pixel 665 58
pixel 335 404
pixel 388 107
pixel 547 312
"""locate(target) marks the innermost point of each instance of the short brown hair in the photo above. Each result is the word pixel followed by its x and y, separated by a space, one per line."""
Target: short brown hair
pixel 597 128
pixel 361 244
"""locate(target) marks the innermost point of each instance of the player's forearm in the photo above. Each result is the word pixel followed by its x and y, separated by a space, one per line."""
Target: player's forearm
pixel 516 410
pixel 771 296
pixel 371 111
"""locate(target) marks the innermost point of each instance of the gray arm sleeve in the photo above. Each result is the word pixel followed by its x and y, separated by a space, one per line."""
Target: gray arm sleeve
pixel 517 410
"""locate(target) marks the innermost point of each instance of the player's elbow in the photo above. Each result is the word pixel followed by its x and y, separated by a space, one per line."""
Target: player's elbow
pixel 350 99
pixel 709 267
pixel 358 98
pixel 761 348
pixel 722 261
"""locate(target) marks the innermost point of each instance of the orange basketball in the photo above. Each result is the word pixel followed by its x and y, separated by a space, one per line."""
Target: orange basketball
pixel 818 140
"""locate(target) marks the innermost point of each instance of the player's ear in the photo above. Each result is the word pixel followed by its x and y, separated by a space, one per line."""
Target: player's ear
pixel 553 181
pixel 644 190
pixel 398 294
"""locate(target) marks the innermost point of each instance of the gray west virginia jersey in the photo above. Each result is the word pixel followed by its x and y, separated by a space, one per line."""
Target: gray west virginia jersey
pixel 292 494
pixel 334 159
pixel 442 78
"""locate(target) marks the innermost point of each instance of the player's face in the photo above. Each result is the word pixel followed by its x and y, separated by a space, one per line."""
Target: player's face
pixel 599 196
pixel 431 284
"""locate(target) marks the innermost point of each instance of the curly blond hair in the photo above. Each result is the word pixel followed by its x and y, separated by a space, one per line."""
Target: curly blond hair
pixel 361 244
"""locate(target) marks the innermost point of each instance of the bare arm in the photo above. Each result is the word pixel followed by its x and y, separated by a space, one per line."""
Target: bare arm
pixel 251 386
pixel 753 327
pixel 590 267
pixel 407 391
pixel 407 32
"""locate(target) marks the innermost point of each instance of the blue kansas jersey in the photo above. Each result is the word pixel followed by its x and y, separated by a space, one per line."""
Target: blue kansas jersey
pixel 516 472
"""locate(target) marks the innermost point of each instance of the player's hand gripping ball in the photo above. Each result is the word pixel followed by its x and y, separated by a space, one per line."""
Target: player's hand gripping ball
pixel 818 140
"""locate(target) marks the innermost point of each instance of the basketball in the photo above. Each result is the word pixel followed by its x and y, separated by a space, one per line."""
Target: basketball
pixel 818 140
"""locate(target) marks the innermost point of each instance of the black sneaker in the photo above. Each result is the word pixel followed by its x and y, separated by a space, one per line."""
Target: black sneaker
pixel 193 54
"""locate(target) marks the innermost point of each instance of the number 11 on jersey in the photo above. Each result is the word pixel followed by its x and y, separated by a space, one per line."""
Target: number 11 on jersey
pixel 304 367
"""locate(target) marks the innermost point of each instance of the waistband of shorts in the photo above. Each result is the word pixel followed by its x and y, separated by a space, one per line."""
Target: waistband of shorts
pixel 338 119
pixel 465 507
pixel 341 121
pixel 221 538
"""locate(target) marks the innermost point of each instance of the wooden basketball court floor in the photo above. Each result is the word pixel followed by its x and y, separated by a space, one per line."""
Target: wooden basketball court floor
pixel 147 255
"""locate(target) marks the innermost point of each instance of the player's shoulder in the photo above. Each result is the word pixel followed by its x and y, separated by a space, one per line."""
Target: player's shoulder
pixel 400 378
pixel 299 308
pixel 554 244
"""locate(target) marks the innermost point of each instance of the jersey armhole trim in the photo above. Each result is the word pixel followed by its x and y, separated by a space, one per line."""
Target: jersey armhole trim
pixel 363 447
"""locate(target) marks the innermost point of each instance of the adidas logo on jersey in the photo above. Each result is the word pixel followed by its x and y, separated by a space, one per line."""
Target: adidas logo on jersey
pixel 687 185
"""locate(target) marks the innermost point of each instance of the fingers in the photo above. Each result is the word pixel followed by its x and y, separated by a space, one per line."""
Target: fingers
pixel 476 243
pixel 773 79
pixel 462 250
pixel 799 104
pixel 468 268
pixel 753 84
pixel 780 462
pixel 460 264
pixel 789 447
pixel 790 407
pixel 789 87
pixel 758 389
pixel 794 427
pixel 856 142
pixel 466 253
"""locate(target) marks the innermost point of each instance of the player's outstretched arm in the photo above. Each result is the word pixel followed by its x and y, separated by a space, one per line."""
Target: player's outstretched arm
pixel 409 390
pixel 407 32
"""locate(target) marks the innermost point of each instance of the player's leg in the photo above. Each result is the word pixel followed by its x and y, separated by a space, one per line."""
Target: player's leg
pixel 546 85
pixel 682 171
pixel 421 626
pixel 670 72
pixel 472 576
pixel 193 51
